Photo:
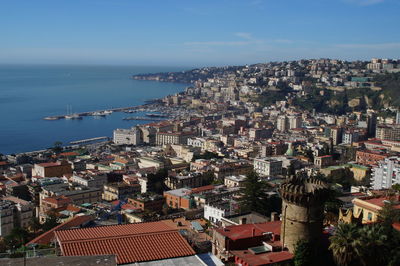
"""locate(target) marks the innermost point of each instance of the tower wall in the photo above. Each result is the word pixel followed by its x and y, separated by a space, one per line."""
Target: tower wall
pixel 300 222
pixel 302 211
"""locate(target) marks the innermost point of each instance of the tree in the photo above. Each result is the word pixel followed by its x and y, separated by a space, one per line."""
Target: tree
pixel 373 245
pixel 57 147
pixel 254 197
pixel 303 254
pixel 156 181
pixel 51 221
pixel 16 238
pixel 388 215
pixel 208 178
pixel 345 245
pixel 34 225
pixel 311 253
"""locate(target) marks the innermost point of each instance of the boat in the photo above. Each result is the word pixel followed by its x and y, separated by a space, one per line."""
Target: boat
pixel 157 115
pixel 51 118
pixel 73 116
pixel 99 113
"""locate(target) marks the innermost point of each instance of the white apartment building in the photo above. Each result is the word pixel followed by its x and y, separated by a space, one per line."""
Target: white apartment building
pixel 267 166
pixel 215 212
pixel 282 123
pixel 89 180
pixel 197 142
pixel 234 181
pixel 294 121
pixel 131 136
pixel 386 174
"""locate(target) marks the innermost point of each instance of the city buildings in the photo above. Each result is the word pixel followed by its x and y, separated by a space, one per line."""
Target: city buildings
pixel 267 166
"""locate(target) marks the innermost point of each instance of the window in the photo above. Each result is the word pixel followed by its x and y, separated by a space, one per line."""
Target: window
pixel 369 216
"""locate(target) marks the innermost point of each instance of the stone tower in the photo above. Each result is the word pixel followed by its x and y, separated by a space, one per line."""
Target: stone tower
pixel 302 210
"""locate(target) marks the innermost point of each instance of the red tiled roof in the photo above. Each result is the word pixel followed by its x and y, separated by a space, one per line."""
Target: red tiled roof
pixel 378 202
pixel 130 242
pixel 57 200
pixel 396 226
pixel 49 164
pixel 242 231
pixel 264 258
pixel 47 237
pixel 113 231
pixel 203 188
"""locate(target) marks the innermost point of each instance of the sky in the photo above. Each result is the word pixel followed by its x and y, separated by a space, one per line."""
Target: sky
pixel 196 33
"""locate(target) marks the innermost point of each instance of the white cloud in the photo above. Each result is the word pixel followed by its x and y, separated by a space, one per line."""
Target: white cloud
pixel 375 46
pixel 244 35
pixel 218 43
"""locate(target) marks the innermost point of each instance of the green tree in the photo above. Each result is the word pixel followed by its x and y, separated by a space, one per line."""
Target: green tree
pixel 388 215
pixel 373 246
pixel 57 147
pixel 345 245
pixel 208 178
pixel 254 197
pixel 156 181
pixel 34 225
pixel 16 238
pixel 51 221
pixel 303 253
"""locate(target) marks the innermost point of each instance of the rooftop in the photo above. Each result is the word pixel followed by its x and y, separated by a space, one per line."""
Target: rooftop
pixel 243 231
pixel 48 236
pixel 130 242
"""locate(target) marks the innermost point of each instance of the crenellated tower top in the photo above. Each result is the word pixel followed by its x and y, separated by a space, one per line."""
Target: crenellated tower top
pixel 303 191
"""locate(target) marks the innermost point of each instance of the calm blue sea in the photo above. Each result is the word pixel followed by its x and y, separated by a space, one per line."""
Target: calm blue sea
pixel 30 93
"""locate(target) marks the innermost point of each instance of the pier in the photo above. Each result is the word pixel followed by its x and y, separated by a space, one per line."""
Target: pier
pixel 107 111
pixel 88 140
pixel 141 118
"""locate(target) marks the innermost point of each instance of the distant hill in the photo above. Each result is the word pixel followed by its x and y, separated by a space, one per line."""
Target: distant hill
pixel 390 84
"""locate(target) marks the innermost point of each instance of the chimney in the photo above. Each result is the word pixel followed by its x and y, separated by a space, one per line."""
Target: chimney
pixel 253 233
pixel 274 216
pixel 243 221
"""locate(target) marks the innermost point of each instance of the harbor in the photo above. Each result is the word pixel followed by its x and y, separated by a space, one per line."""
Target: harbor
pixel 97 113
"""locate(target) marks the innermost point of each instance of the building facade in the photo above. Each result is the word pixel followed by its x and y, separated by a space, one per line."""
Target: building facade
pixel 386 173
pixel 267 166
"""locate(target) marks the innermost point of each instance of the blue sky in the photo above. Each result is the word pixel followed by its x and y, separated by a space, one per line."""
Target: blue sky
pixel 196 33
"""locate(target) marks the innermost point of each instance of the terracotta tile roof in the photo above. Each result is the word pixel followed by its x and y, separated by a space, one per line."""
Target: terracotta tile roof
pixel 68 154
pixel 376 203
pixel 57 200
pixel 243 231
pixel 49 164
pixel 130 242
pixel 396 226
pixel 264 258
pixel 203 188
pixel 47 237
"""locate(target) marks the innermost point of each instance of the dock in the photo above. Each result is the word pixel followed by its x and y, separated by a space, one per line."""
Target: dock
pixel 88 140
pixel 141 118
pixel 93 113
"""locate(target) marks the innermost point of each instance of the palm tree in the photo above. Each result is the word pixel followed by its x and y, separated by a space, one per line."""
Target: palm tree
pixel 374 245
pixel 345 245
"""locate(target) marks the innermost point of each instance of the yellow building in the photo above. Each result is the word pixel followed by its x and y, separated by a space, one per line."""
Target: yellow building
pixel 359 171
pixel 369 207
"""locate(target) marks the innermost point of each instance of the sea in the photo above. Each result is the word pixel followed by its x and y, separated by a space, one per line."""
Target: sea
pixel 28 93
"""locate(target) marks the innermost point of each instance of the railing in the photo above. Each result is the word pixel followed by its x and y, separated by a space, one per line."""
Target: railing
pixel 51 252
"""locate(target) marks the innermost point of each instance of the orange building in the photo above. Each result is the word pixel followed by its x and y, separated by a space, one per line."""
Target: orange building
pixel 57 169
pixel 178 198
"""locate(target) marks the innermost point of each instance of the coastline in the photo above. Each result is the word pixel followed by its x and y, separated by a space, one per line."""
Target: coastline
pixel 30 93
